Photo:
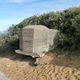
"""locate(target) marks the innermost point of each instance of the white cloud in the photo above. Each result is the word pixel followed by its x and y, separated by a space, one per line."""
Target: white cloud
pixel 17 1
pixel 20 1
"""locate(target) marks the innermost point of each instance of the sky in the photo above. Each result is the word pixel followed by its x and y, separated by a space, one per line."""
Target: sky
pixel 14 11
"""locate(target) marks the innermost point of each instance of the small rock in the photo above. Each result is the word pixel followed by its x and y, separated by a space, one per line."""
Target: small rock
pixel 61 56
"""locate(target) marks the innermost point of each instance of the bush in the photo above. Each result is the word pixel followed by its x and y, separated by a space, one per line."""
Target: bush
pixel 13 45
pixel 67 21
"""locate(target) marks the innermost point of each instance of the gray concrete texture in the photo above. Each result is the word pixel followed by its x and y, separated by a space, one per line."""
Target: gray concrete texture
pixel 36 40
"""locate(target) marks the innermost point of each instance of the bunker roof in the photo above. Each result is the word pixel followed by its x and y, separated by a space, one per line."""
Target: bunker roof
pixel 36 27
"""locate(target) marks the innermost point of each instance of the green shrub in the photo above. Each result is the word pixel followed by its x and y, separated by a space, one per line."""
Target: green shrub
pixel 67 21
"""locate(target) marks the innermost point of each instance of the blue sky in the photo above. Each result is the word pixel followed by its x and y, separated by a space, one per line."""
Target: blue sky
pixel 14 11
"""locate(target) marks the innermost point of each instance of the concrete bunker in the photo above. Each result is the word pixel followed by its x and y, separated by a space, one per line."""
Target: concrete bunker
pixel 36 40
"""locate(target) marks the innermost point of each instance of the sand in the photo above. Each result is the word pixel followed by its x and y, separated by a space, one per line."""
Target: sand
pixel 49 68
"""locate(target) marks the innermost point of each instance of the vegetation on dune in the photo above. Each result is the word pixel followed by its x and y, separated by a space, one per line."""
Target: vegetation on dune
pixel 67 21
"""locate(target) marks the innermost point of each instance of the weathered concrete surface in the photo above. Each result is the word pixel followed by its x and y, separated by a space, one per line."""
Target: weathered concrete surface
pixel 3 77
pixel 36 40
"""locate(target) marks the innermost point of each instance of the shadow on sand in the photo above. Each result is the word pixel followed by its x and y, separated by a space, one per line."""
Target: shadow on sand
pixel 66 61
pixel 18 57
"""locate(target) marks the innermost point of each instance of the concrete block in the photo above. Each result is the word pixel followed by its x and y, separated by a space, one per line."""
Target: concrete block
pixel 36 40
